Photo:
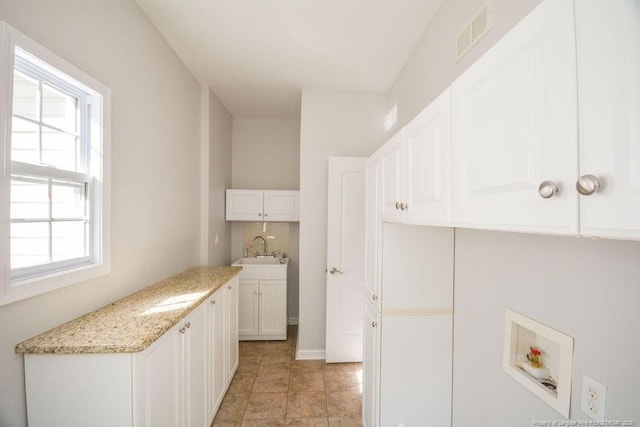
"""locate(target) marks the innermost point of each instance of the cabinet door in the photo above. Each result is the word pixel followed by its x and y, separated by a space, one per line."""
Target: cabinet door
pixel 158 389
pixel 415 370
pixel 373 230
pixel 273 309
pixel 427 154
pixel 244 205
pixel 391 182
pixel 216 351
pixel 371 367
pixel 195 351
pixel 248 307
pixel 231 329
pixel 609 87
pixel 282 206
pixel 515 126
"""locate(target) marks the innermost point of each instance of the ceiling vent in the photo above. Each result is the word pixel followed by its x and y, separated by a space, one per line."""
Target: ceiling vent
pixel 474 30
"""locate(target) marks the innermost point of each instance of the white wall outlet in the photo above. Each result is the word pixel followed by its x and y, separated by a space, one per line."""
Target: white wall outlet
pixel 594 398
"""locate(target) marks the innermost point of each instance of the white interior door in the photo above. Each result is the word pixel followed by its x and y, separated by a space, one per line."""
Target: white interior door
pixel 345 259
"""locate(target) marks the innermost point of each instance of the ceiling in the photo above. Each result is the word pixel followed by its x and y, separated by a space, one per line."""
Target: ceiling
pixel 257 55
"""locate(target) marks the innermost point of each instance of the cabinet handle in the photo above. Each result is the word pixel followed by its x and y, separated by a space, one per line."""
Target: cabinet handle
pixel 334 271
pixel 587 185
pixel 397 205
pixel 374 324
pixel 375 297
pixel 259 214
pixel 229 287
pixel 404 206
pixel 266 215
pixel 188 325
pixel 213 302
pixel 182 330
pixel 547 189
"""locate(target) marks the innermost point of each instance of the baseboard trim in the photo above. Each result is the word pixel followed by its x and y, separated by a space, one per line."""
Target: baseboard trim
pixel 292 321
pixel 310 355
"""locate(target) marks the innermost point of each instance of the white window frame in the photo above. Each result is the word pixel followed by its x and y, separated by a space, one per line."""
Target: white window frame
pixel 99 262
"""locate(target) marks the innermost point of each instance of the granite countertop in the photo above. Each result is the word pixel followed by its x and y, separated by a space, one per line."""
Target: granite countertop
pixel 132 323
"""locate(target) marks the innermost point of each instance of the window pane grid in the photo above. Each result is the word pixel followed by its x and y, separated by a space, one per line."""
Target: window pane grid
pixel 49 221
pixel 53 139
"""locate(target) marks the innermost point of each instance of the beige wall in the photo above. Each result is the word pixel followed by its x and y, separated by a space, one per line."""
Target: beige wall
pixel 332 124
pixel 266 155
pixel 155 164
pixel 220 174
pixel 586 288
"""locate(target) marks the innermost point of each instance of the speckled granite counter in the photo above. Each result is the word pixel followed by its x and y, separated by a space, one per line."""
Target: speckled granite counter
pixel 132 323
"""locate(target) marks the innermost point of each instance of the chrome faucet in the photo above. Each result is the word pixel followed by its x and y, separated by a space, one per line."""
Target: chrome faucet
pixel 264 241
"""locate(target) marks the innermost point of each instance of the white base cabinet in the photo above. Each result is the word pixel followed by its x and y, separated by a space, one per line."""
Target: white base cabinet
pixel 179 380
pixel 262 302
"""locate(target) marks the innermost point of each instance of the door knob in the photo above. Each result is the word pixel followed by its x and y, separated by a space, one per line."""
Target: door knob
pixel 587 185
pixel 334 271
pixel 547 189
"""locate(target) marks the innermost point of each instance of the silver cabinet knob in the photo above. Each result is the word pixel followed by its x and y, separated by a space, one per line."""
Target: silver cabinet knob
pixel 374 324
pixel 404 206
pixel 188 325
pixel 375 297
pixel 397 205
pixel 587 185
pixel 213 302
pixel 259 214
pixel 547 189
pixel 181 330
pixel 266 215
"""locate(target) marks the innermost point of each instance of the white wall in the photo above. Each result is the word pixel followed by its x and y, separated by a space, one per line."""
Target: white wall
pixel 220 176
pixel 155 165
pixel 266 155
pixel 331 124
pixel 588 289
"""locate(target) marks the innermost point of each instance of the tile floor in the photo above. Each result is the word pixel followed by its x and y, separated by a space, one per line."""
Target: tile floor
pixel 271 388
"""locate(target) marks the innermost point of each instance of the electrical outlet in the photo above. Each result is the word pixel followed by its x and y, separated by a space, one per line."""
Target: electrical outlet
pixel 594 398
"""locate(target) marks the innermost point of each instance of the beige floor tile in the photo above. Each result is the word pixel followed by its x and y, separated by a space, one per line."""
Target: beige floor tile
pixel 275 422
pixel 232 409
pixel 333 367
pixel 342 381
pixel 270 363
pixel 306 381
pixel 224 424
pixel 278 349
pixel 344 404
pixel 306 405
pixel 271 382
pixel 308 422
pixel 264 406
pixel 307 366
pixel 242 383
pixel 345 422
pixel 251 348
pixel 249 365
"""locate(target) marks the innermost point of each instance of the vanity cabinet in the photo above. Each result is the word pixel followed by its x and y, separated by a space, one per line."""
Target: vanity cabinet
pixel 263 205
pixel 415 168
pixel 262 306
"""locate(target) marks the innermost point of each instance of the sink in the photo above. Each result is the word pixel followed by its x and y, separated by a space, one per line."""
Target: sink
pixel 261 262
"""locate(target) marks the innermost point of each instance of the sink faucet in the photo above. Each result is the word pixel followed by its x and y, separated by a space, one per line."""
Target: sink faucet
pixel 264 242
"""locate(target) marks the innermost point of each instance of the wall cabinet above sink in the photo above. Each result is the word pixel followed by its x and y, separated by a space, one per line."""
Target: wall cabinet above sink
pixel 263 205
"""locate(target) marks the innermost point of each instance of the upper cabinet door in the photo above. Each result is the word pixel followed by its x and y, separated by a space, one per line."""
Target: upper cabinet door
pixel 391 182
pixel 427 154
pixel 515 127
pixel 244 205
pixel 282 205
pixel 609 87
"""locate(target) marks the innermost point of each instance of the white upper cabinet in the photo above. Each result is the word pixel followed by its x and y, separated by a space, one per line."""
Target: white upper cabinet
pixel 414 168
pixel 609 88
pixel 427 153
pixel 263 205
pixel 515 131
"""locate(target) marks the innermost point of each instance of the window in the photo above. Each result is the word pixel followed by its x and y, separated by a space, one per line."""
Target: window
pixel 54 162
